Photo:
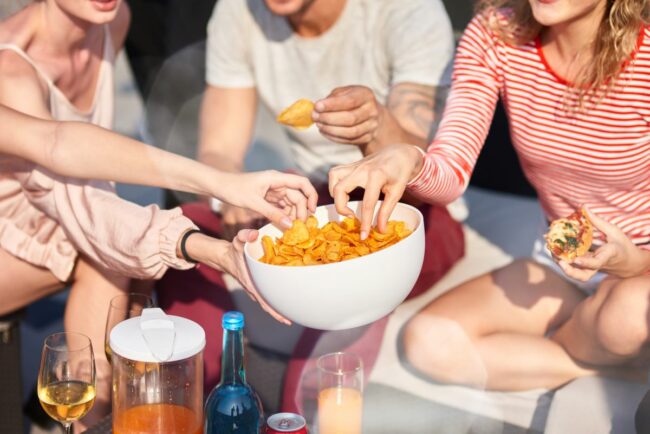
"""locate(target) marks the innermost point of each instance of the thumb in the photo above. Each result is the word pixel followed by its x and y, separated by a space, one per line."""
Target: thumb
pixel 274 214
pixel 246 236
pixel 610 230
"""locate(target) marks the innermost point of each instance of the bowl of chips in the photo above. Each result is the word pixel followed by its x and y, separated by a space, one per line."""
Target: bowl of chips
pixel 319 273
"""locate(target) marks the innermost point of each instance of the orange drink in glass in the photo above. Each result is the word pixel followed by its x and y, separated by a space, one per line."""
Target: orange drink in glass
pixel 340 396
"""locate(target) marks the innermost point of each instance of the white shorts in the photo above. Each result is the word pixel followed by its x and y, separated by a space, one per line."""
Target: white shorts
pixel 541 255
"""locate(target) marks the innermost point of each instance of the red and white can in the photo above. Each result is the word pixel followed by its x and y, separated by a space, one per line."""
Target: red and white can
pixel 282 423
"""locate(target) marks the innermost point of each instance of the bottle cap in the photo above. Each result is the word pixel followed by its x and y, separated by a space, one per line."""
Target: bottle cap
pixel 233 320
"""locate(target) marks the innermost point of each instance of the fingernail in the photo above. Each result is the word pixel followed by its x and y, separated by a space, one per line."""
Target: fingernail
pixel 363 235
pixel 286 222
pixel 318 106
pixel 314 115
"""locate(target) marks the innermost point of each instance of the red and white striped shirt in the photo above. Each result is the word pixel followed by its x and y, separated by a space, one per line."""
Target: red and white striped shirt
pixel 599 157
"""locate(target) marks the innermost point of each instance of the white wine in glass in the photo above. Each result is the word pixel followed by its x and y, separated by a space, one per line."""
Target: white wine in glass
pixel 122 307
pixel 66 380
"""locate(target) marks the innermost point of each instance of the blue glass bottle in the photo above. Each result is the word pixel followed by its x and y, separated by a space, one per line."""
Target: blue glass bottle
pixel 233 406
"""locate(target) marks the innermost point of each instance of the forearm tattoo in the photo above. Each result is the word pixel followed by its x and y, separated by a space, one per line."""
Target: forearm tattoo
pixel 418 108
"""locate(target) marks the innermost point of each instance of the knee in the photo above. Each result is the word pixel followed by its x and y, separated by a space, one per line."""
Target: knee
pixel 441 349
pixel 621 324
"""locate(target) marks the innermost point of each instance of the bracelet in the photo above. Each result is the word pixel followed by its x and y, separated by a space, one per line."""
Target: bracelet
pixel 186 235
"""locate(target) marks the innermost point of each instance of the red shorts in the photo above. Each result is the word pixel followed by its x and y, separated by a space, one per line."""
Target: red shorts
pixel 201 295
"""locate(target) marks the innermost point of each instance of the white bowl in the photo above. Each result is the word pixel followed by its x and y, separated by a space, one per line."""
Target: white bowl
pixel 345 294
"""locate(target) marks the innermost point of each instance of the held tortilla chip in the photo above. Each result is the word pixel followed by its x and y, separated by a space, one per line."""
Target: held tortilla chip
pixel 307 244
pixel 298 114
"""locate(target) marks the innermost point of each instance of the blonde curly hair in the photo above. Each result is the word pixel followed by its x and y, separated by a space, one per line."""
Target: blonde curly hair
pixel 614 43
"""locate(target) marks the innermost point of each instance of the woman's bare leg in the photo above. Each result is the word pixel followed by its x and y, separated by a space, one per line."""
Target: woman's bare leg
pixel 611 327
pixel 22 283
pixel 86 312
pixel 490 332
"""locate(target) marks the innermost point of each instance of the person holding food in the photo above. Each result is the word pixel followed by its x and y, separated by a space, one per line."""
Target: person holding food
pixel 368 72
pixel 56 63
pixel 573 76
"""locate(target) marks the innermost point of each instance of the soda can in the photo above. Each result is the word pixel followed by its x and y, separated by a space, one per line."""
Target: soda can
pixel 282 423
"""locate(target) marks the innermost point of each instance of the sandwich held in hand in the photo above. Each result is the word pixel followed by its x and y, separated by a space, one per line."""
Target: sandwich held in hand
pixel 570 237
pixel 307 244
pixel 298 114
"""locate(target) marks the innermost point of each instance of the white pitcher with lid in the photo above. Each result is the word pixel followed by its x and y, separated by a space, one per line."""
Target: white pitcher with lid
pixel 157 374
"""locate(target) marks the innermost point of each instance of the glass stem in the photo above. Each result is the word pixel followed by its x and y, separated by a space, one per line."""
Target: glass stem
pixel 68 428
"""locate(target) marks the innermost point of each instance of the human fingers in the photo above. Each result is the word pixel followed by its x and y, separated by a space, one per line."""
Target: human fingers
pixel 391 197
pixel 336 174
pixel 370 198
pixel 598 260
pixel 607 228
pixel 344 98
pixel 299 203
pixel 347 118
pixel 300 183
pixel 244 236
pixel 341 194
pixel 274 214
pixel 356 134
pixel 582 275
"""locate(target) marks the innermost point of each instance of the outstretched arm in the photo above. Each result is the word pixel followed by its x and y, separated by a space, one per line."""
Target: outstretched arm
pixel 86 151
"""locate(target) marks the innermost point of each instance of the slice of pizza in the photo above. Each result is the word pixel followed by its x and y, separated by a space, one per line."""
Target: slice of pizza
pixel 570 237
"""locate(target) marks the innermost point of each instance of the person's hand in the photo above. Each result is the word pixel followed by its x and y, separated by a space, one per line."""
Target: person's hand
pixel 387 171
pixel 278 197
pixel 229 257
pixel 350 115
pixel 235 219
pixel 619 256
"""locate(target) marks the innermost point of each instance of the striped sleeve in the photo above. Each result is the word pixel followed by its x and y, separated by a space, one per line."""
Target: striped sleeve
pixel 468 114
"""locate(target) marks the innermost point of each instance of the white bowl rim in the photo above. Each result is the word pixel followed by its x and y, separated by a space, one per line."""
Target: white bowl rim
pixel 364 257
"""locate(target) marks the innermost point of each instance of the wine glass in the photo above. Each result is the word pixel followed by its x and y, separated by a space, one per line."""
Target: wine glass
pixel 122 307
pixel 66 379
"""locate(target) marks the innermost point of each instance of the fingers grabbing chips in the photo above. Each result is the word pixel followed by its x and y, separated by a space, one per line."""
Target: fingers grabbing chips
pixel 298 114
pixel 307 244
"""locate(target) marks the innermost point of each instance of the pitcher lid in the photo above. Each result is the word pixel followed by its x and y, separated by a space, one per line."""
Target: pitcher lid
pixel 156 337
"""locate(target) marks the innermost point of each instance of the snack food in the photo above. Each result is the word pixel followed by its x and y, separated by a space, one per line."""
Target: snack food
pixel 307 244
pixel 570 237
pixel 298 114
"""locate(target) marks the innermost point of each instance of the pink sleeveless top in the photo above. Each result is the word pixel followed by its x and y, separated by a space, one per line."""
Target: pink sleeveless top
pixel 46 219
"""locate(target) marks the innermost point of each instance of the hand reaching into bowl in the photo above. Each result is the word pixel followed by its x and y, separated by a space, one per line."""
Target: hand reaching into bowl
pixel 387 171
pixel 279 197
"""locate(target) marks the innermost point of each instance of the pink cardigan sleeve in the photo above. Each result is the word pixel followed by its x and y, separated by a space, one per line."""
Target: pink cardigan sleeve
pixel 129 239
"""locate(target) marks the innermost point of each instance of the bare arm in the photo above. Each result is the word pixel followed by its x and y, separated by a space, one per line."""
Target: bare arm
pixel 416 109
pixel 227 120
pixel 86 151
pixel 353 115
pixel 82 150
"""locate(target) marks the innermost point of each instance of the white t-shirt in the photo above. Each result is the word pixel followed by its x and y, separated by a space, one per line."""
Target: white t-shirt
pixel 375 43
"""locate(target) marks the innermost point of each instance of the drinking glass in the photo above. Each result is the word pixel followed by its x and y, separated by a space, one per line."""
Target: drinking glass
pixel 340 393
pixel 66 379
pixel 122 307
